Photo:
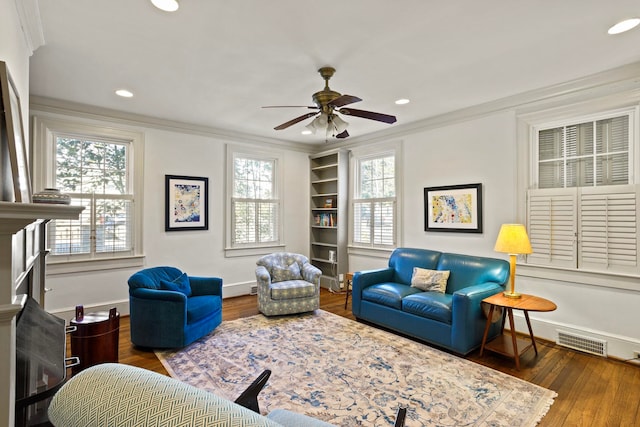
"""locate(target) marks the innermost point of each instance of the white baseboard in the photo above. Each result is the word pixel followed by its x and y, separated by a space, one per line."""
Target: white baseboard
pixel 237 289
pixel 69 313
pixel 618 347
pixel 228 291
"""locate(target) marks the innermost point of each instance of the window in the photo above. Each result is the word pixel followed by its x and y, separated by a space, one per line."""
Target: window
pixel 592 153
pixel 254 203
pixel 374 201
pixel 95 166
pixel 583 214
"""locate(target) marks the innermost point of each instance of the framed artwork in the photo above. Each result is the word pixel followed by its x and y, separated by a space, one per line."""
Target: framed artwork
pixel 186 200
pixel 16 145
pixel 456 208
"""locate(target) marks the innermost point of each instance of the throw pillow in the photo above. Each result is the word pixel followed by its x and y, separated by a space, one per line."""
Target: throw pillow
pixel 430 280
pixel 281 274
pixel 179 284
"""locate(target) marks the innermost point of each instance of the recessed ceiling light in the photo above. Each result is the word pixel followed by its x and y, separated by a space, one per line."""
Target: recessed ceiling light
pixel 166 5
pixel 124 93
pixel 306 132
pixel 402 101
pixel 623 26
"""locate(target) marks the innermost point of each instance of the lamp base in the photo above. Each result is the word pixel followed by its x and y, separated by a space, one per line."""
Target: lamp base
pixel 512 294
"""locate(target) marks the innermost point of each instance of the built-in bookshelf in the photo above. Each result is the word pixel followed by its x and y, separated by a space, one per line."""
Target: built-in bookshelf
pixel 329 186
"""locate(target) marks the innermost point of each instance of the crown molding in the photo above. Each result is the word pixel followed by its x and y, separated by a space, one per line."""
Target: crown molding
pixel 58 106
pixel 624 79
pixel 29 15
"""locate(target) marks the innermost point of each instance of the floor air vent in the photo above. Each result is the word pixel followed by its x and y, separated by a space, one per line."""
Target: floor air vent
pixel 582 343
pixel 254 290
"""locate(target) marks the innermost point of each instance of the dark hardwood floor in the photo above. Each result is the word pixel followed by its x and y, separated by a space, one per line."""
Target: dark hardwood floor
pixel 592 391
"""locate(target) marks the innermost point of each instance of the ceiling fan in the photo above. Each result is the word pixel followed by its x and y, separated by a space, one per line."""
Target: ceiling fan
pixel 328 103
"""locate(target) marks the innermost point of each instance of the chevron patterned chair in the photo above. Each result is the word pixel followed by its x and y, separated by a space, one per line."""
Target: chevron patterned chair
pixel 287 284
pixel 113 394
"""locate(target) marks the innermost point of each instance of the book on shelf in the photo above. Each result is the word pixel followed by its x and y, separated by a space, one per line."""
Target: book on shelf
pixel 325 220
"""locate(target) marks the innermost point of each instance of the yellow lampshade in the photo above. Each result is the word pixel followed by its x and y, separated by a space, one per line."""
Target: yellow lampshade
pixel 513 239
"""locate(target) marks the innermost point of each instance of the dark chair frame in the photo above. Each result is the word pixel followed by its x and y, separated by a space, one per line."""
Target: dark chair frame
pixel 249 397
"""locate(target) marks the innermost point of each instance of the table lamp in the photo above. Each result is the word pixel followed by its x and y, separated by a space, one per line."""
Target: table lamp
pixel 513 240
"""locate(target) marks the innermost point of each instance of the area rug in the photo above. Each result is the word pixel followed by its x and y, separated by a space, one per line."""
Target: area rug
pixel 350 374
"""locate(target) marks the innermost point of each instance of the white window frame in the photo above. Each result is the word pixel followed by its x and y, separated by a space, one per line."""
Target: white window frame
pixel 569 269
pixel 45 131
pixel 364 153
pixel 251 249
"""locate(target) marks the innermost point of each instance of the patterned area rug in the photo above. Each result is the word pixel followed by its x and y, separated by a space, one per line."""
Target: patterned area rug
pixel 349 374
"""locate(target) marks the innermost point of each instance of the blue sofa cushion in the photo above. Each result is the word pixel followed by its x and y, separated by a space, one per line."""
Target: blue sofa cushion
pixel 389 294
pixel 469 270
pixel 179 284
pixel 202 306
pixel 432 305
pixel 403 260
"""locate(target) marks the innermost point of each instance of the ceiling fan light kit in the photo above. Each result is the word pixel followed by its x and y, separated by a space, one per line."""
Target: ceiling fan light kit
pixel 329 103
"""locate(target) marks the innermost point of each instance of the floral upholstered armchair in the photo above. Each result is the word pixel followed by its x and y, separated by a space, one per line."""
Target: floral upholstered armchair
pixel 287 284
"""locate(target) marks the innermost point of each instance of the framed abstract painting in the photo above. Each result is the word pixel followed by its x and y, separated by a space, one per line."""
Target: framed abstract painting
pixel 186 203
pixel 456 208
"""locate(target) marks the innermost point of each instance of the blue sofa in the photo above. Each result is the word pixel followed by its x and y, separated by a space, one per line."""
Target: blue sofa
pixel 452 320
pixel 169 309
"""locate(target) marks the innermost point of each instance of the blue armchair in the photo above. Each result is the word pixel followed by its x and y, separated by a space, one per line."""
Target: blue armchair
pixel 170 309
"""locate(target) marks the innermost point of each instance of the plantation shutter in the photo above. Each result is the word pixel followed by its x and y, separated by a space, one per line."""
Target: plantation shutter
pixel 607 218
pixel 552 227
pixel 608 228
pixel 362 222
pixel 374 221
pixel 384 218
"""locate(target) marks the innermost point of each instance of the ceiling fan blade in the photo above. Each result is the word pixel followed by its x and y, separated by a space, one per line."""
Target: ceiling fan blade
pixel 290 106
pixel 368 115
pixel 294 121
pixel 344 100
pixel 343 134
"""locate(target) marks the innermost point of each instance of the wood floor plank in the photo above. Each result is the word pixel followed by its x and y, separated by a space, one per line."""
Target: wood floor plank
pixel 592 390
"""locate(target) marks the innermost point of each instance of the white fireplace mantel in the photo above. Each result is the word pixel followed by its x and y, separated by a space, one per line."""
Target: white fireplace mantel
pixel 14 217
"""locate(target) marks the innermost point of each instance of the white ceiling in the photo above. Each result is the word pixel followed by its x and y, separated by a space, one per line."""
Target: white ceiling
pixel 215 63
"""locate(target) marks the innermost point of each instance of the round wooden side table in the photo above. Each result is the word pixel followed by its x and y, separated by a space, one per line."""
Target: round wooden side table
pixel 514 346
pixel 95 339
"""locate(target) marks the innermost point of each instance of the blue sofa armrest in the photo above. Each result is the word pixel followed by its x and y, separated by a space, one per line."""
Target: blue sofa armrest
pixel 364 279
pixel 468 318
pixel 205 285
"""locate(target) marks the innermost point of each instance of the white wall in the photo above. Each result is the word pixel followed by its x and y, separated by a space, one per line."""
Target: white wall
pixel 476 151
pixel 15 52
pixel 195 252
